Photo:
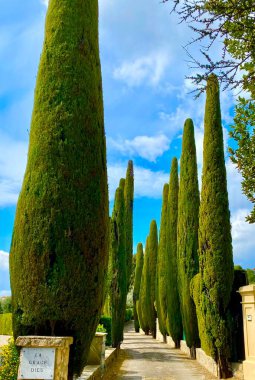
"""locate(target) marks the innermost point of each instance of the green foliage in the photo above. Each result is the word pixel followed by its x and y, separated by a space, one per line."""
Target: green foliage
pixel 187 235
pixel 232 23
pixel 153 255
pixel 215 243
pixel 118 289
pixel 132 276
pixel 143 302
pixel 137 283
pixel 6 324
pixel 59 249
pixel 107 323
pixel 6 305
pixel 236 316
pixel 161 285
pixel 174 321
pixel 128 314
pixel 122 184
pixel 251 276
pixel 243 132
pixel 101 328
pixel 129 201
pixel 9 361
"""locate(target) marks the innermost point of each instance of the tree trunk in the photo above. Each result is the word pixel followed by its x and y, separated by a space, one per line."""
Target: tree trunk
pixel 224 369
pixel 193 352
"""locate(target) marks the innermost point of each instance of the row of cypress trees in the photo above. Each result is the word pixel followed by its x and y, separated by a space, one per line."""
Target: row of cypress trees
pixel 121 253
pixel 145 276
pixel 194 271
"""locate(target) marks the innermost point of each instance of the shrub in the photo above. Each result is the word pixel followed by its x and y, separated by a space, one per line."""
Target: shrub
pixel 6 324
pixel 128 314
pixel 107 323
pixel 6 305
pixel 9 364
pixel 101 328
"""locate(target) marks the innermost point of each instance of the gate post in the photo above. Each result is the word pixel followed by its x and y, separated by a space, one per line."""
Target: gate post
pixel 248 305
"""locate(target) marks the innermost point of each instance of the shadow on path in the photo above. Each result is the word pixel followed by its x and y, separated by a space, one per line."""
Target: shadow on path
pixel 143 358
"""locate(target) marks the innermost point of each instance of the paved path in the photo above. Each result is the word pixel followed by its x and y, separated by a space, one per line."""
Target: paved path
pixel 143 358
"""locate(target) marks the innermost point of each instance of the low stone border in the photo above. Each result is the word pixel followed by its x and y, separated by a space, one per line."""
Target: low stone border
pixel 204 360
pixel 208 362
pixel 95 372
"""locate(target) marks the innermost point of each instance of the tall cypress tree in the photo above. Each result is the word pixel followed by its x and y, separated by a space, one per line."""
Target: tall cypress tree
pixel 129 201
pixel 59 248
pixel 122 184
pixel 161 289
pixel 144 298
pixel 187 235
pixel 153 252
pixel 138 277
pixel 213 285
pixel 118 273
pixel 174 321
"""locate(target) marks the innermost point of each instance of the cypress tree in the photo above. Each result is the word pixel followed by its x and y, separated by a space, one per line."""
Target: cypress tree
pixel 187 235
pixel 161 291
pixel 106 311
pixel 59 248
pixel 153 252
pixel 144 298
pixel 212 287
pixel 118 268
pixel 138 277
pixel 174 321
pixel 129 201
pixel 122 184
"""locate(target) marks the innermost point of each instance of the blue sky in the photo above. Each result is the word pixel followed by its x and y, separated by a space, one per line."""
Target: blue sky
pixel 146 100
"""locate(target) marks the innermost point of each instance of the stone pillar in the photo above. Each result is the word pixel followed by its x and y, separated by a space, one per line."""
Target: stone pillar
pixel 43 357
pixel 97 350
pixel 248 305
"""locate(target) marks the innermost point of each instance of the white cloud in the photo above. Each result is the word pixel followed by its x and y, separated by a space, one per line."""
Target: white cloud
pixel 5 293
pixel 13 156
pixel 147 147
pixel 147 182
pixel 143 70
pixel 45 2
pixel 243 238
pixel 237 200
pixel 9 192
pixel 4 260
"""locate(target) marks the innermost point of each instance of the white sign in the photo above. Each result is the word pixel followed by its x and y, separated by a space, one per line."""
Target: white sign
pixel 249 318
pixel 37 363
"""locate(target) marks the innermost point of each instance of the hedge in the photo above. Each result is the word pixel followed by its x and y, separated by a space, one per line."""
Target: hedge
pixel 6 324
pixel 107 323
